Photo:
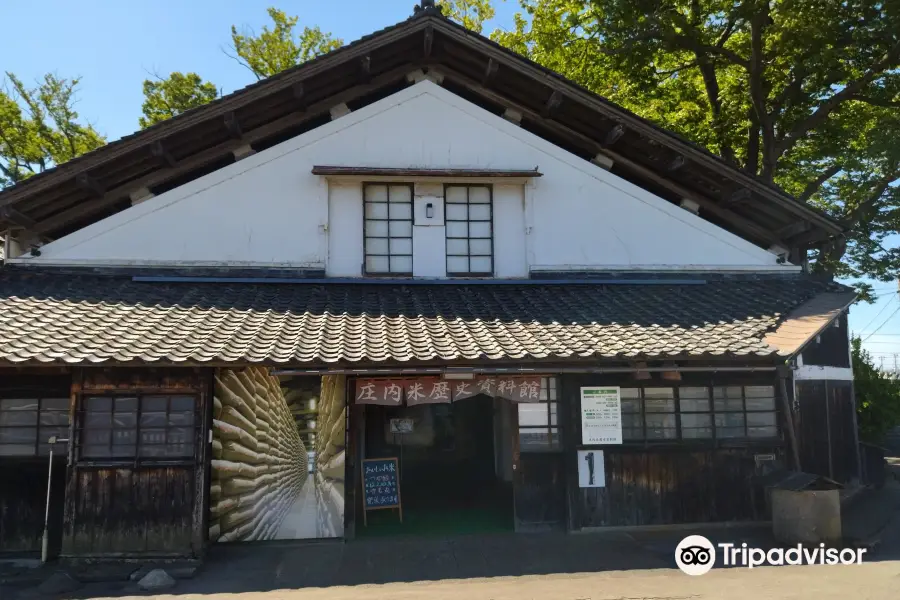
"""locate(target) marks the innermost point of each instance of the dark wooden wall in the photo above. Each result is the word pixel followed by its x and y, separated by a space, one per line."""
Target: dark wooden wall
pixel 832 348
pixel 540 491
pixel 824 410
pixel 825 427
pixel 142 508
pixel 131 511
pixel 23 480
pixel 665 483
pixel 23 494
pixel 662 487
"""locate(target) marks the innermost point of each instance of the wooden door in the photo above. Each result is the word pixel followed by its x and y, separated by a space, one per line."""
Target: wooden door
pixel 539 485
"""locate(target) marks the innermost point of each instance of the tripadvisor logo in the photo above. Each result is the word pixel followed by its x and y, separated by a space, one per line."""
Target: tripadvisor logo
pixel 696 555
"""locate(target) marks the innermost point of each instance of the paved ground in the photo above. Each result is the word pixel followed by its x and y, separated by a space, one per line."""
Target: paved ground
pixel 573 567
pixel 875 582
pixel 547 566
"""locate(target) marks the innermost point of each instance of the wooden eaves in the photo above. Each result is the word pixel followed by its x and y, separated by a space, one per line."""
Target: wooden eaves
pixel 350 171
pixel 175 151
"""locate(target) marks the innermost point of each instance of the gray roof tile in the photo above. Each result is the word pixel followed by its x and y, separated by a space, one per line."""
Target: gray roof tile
pixel 56 317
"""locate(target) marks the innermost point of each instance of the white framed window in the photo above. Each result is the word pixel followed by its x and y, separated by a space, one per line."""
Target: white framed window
pixel 388 229
pixel 703 412
pixel 468 218
pixel 538 421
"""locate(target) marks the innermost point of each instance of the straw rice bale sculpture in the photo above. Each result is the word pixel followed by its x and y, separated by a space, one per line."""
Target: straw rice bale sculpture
pixel 259 463
pixel 330 443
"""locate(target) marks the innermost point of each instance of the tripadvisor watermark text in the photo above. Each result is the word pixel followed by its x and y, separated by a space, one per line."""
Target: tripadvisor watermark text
pixel 696 555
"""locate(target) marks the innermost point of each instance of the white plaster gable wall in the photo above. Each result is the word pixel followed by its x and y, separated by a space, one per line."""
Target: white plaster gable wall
pixel 268 209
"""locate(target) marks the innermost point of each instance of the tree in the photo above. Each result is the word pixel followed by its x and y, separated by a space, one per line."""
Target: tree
pixel 276 49
pixel 39 127
pixel 877 397
pixel 165 98
pixel 471 14
pixel 802 93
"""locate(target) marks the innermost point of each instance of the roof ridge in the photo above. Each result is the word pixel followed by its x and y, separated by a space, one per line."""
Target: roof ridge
pixel 430 14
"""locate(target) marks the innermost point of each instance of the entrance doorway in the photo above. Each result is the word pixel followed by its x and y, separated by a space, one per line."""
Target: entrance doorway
pixel 455 466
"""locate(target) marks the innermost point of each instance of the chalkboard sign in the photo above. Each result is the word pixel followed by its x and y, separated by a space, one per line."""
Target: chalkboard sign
pixel 381 485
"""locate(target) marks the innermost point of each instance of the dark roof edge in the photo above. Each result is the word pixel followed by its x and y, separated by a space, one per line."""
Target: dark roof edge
pixel 262 275
pixel 711 362
pixel 421 20
pixel 217 107
pixel 661 134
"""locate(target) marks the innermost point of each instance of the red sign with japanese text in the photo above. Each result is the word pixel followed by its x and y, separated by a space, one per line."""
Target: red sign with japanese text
pixel 434 390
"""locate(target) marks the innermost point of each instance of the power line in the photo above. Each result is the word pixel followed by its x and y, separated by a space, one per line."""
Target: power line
pixel 883 323
pixel 886 294
pixel 879 314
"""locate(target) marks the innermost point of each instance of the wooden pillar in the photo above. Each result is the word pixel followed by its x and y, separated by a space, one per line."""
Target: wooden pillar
pixel 569 411
pixel 783 373
pixel 356 445
pixel 203 457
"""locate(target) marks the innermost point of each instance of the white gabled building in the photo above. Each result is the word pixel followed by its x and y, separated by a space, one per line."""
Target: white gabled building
pixel 566 310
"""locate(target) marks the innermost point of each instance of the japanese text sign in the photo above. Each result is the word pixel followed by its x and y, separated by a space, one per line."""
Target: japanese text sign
pixel 433 390
pixel 601 415
pixel 381 487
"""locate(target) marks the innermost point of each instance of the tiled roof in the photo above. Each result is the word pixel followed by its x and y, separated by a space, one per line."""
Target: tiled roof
pixel 807 320
pixel 66 318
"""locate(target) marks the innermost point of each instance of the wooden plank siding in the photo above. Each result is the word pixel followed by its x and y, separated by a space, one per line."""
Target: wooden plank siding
pixel 23 494
pixel 143 507
pixel 832 347
pixel 811 423
pixel 668 482
pixel 664 487
pixel 23 479
pixel 130 511
pixel 825 429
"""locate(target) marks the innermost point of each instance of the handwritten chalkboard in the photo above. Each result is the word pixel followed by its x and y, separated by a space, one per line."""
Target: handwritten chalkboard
pixel 381 484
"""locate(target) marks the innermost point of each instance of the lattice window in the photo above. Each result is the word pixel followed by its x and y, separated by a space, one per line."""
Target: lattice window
pixel 142 426
pixel 388 229
pixel 468 217
pixel 720 412
pixel 539 421
pixel 26 424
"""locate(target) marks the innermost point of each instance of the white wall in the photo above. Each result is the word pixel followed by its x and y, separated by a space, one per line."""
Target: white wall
pixel 345 225
pixel 268 209
pixel 429 234
pixel 509 231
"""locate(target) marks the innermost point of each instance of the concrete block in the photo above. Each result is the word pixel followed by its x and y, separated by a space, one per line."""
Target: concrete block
pixel 806 517
pixel 156 580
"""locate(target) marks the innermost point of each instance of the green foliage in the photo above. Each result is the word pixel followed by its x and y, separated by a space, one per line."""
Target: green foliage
pixel 803 93
pixel 471 14
pixel 39 127
pixel 276 49
pixel 165 98
pixel 877 397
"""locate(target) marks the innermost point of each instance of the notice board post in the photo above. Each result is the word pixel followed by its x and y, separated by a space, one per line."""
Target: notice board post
pixel 601 425
pixel 381 485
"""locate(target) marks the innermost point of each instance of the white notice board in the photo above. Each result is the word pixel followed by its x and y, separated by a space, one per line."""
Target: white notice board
pixel 601 415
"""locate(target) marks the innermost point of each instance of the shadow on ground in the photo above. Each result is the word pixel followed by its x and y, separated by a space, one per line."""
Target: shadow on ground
pixel 293 565
pixel 874 518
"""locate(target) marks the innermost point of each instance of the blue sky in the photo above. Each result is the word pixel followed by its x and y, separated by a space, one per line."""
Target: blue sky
pixel 114 45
